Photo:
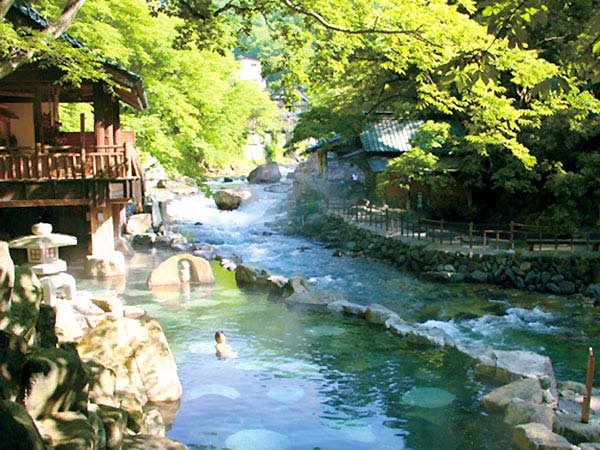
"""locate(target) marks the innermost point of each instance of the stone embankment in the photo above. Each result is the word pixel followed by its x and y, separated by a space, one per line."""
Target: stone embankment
pixel 541 412
pixel 554 272
pixel 81 374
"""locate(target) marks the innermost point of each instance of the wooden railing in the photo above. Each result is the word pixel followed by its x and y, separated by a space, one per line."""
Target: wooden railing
pixel 397 222
pixel 66 163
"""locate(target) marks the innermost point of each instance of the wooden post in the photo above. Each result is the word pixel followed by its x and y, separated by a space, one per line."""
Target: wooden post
pixel 419 229
pixel 370 214
pixel 387 218
pixel 471 235
pixel 585 409
pixel 442 231
pixel 402 223
pixel 512 235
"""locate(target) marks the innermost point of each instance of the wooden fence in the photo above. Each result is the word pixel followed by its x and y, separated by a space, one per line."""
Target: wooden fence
pixel 66 163
pixel 396 222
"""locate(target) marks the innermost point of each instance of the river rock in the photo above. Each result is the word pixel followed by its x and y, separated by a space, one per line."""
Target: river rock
pixel 149 442
pixel 227 200
pixel 102 386
pixel 505 366
pixel 316 298
pixel 139 223
pixel 419 335
pixel 138 352
pixel 68 322
pixel 347 307
pixel 53 381
pixel 68 430
pixel 520 412
pixel 99 430
pixel 379 314
pixel 105 266
pixel 44 328
pixel 17 430
pixel 172 272
pixel 153 422
pixel 570 426
pixel 247 276
pixel 144 240
pixel 114 421
pixel 478 276
pixel 589 446
pixel 528 389
pixel 265 174
pixel 294 285
pixel 13 350
pixel 537 436
pixel 131 403
pixel 25 305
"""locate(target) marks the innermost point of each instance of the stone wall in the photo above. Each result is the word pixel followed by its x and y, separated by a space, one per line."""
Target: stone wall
pixel 559 273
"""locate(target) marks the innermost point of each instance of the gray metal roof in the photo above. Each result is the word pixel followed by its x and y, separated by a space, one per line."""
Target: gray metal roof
pixel 389 136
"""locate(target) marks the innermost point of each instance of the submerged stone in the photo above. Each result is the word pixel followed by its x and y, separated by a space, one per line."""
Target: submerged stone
pixel 286 394
pixel 257 439
pixel 428 397
pixel 214 389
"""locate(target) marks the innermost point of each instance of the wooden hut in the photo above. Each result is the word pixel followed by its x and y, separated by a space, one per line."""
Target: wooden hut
pixel 79 181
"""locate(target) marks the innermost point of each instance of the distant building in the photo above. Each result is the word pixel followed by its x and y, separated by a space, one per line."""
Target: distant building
pixel 251 70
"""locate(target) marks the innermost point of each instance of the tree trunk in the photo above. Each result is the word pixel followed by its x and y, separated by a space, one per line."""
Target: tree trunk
pixel 57 28
pixel 4 7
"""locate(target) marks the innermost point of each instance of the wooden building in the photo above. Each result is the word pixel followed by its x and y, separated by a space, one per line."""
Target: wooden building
pixel 79 181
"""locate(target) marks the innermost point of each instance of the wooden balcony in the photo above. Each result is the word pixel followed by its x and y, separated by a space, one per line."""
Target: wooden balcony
pixel 69 175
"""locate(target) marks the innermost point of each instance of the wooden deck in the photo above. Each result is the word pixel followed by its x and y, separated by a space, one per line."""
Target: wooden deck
pixel 69 175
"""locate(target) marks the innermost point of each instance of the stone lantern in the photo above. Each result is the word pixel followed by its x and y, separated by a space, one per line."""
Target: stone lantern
pixel 42 256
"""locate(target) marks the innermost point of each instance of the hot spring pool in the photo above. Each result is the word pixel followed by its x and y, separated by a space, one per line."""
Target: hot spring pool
pixel 308 379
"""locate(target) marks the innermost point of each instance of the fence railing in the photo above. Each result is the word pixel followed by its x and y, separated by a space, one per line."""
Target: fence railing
pixel 66 163
pixel 397 222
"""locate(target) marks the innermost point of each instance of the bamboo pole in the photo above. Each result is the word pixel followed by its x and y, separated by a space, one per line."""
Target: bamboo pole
pixel 585 409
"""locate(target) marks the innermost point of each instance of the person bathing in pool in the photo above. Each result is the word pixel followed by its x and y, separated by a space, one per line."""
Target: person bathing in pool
pixel 222 348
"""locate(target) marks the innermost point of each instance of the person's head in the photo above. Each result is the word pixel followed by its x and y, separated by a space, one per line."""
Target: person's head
pixel 220 336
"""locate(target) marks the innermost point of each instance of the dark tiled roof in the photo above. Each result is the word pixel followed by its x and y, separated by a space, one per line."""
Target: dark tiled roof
pixel 389 136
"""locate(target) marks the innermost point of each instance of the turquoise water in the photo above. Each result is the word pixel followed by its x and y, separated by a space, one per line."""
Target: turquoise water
pixel 314 380
pixel 308 379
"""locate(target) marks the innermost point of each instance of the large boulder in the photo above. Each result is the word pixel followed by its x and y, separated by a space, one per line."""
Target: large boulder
pixel 182 268
pixel 102 386
pixel 227 200
pixel 502 367
pixel 105 266
pixel 13 352
pixel 139 223
pixel 519 412
pixel 264 174
pixel 53 381
pixel 252 277
pixel 539 437
pixel 137 351
pixel 17 430
pixel 114 421
pixel 68 430
pixel 314 298
pixel 379 314
pixel 528 389
pixel 571 427
pixel 24 308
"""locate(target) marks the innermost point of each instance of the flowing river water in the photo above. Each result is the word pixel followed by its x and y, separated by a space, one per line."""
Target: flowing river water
pixel 315 380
